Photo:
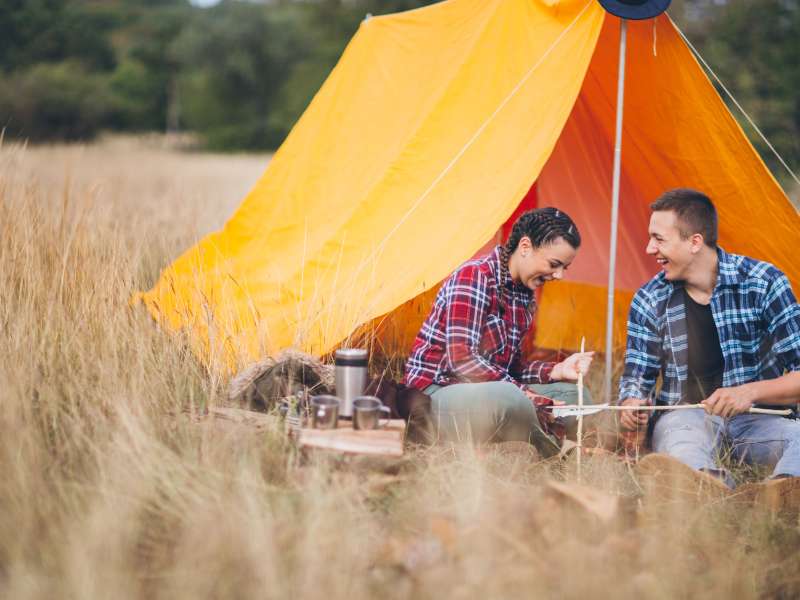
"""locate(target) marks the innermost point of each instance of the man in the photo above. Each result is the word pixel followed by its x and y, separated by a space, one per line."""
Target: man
pixel 722 330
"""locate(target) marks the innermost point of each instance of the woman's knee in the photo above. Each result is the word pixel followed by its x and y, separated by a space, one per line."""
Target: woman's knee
pixel 563 392
pixel 510 399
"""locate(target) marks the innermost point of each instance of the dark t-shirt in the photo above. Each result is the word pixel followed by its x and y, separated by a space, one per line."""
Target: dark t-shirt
pixel 706 363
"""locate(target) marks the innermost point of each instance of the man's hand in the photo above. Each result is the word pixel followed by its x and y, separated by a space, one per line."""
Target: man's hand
pixel 633 419
pixel 568 369
pixel 729 402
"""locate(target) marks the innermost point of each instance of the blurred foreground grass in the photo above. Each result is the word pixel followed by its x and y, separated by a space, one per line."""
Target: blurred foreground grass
pixel 108 491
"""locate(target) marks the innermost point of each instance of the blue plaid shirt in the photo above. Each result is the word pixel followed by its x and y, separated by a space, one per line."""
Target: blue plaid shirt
pixel 757 318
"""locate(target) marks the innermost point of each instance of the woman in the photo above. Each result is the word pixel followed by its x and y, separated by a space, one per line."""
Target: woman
pixel 467 355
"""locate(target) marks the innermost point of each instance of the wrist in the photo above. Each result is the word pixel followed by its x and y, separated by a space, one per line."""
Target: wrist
pixel 751 392
pixel 557 372
pixel 631 400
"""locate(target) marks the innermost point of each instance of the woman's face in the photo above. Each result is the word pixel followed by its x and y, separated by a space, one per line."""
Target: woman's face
pixel 534 266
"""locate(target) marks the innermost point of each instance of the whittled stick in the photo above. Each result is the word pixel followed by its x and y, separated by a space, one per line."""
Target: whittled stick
pixel 756 411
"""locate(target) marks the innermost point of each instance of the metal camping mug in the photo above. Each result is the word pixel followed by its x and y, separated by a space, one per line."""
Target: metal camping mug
pixel 367 413
pixel 351 377
pixel 324 412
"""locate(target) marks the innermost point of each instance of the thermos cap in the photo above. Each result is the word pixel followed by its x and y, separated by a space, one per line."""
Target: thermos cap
pixel 351 357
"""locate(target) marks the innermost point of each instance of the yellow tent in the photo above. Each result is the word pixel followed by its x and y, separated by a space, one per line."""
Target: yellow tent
pixel 431 131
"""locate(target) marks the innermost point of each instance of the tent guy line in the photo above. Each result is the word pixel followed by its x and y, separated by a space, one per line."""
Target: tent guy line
pixel 736 102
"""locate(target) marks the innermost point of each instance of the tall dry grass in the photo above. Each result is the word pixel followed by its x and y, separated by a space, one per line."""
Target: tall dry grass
pixel 107 489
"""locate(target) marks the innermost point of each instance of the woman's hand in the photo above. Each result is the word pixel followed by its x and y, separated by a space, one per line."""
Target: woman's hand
pixel 568 369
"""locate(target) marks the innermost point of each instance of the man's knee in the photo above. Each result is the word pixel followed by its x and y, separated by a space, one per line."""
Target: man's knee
pixel 765 440
pixel 678 438
pixel 685 437
pixel 785 455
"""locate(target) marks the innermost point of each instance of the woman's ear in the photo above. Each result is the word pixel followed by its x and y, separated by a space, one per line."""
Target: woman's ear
pixel 525 244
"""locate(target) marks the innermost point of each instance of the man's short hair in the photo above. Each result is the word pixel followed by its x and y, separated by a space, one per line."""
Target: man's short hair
pixel 694 210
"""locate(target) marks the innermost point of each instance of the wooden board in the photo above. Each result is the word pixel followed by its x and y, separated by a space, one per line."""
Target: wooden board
pixel 385 441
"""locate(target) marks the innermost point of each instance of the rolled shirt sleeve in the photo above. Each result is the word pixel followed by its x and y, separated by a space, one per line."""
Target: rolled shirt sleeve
pixel 782 316
pixel 536 371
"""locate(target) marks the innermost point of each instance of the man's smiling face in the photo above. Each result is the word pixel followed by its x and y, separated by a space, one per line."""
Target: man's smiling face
pixel 669 246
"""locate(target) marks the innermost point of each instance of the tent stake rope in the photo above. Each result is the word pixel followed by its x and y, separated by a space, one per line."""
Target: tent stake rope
pixel 736 102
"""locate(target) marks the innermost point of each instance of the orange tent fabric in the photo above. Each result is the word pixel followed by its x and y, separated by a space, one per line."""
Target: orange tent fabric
pixel 422 144
pixel 677 132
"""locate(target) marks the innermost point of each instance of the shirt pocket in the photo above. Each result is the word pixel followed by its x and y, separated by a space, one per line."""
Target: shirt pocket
pixel 494 338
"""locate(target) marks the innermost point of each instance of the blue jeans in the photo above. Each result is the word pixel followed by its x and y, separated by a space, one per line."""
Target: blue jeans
pixel 495 411
pixel 698 440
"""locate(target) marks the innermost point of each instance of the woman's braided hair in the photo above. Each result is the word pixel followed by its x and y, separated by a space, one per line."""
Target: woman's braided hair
pixel 542 226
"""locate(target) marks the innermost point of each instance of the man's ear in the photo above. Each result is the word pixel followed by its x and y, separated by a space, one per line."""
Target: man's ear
pixel 697 242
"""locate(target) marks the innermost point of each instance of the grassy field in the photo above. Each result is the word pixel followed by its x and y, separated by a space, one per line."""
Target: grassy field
pixel 108 491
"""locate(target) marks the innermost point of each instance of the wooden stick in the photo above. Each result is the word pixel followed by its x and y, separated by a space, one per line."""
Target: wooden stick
pixel 756 411
pixel 580 414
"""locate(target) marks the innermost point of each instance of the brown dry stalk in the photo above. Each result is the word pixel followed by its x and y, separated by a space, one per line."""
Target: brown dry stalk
pixel 108 490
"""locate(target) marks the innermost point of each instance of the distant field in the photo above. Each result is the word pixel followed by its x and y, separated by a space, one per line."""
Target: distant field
pixel 109 489
pixel 150 192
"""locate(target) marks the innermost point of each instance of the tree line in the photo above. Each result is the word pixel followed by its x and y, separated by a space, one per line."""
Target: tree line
pixel 240 73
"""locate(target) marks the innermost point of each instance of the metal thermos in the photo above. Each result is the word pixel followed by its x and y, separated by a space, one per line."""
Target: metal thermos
pixel 351 377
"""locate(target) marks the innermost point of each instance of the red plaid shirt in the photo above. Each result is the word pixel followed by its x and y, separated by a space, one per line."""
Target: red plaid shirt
pixel 475 329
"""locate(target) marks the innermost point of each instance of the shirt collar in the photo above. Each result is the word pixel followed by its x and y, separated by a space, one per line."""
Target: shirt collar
pixel 728 268
pixel 728 272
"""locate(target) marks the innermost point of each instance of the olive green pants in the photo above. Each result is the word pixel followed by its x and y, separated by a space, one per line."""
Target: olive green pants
pixel 496 411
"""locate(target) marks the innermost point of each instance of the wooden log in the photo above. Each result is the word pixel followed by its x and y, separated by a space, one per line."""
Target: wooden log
pixel 599 504
pixel 591 510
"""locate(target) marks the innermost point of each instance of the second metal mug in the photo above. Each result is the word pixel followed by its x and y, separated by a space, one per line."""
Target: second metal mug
pixel 324 412
pixel 367 413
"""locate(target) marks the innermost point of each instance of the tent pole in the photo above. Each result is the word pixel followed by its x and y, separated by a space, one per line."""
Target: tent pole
pixel 612 255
